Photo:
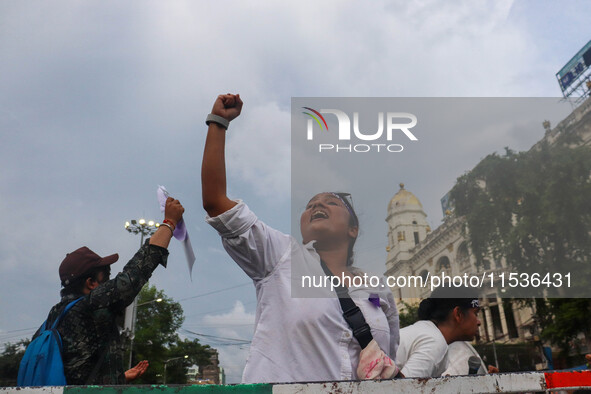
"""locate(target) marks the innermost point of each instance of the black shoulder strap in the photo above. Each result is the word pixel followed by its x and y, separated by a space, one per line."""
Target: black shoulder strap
pixel 351 312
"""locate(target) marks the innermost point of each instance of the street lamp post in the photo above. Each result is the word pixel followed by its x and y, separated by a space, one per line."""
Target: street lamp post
pixel 143 228
pixel 149 302
pixel 169 360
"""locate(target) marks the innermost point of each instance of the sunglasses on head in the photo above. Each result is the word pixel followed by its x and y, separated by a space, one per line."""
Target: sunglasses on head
pixel 348 201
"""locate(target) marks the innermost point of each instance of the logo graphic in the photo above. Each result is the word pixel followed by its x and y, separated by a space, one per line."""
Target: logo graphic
pixel 389 125
pixel 316 119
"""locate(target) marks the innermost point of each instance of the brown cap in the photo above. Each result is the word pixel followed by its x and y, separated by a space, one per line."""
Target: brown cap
pixel 80 261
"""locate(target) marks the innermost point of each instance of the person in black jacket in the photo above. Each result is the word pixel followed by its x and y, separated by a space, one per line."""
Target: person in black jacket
pixel 92 347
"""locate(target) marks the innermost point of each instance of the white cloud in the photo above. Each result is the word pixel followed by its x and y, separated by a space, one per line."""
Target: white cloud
pixel 103 100
pixel 258 151
pixel 236 324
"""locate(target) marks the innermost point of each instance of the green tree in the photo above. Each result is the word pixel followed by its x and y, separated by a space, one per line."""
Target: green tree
pixel 409 314
pixel 10 361
pixel 177 369
pixel 533 210
pixel 156 339
pixel 563 319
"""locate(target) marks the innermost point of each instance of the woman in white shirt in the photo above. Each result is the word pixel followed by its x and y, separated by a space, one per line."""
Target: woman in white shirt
pixel 449 315
pixel 297 339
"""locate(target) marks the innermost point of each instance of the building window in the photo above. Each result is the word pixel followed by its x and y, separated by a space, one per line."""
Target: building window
pixel 495 314
pixel 401 236
pixel 443 264
pixel 416 233
pixel 510 319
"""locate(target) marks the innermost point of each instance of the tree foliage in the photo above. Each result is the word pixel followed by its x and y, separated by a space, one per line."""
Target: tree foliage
pixel 156 339
pixel 562 320
pixel 408 314
pixel 533 209
pixel 10 361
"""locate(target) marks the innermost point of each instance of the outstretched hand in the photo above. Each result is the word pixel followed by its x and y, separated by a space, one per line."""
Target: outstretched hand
pixel 137 371
pixel 228 106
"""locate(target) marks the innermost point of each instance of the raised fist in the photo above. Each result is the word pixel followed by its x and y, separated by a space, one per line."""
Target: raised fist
pixel 228 106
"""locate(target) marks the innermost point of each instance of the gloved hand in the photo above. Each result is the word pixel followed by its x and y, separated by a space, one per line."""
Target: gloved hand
pixel 374 364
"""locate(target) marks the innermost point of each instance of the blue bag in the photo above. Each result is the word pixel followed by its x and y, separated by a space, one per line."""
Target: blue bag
pixel 42 363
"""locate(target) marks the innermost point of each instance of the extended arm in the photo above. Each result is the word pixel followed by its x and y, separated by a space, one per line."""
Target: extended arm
pixel 121 290
pixel 213 168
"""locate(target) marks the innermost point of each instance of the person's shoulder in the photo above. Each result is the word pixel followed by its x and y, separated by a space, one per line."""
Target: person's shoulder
pixel 424 330
pixel 422 325
pixel 79 307
pixel 235 221
pixel 77 321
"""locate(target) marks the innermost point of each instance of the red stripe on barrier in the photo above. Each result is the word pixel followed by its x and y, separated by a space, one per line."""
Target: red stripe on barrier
pixel 556 380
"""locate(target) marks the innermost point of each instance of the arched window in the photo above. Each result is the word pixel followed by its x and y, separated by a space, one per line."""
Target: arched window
pixel 443 264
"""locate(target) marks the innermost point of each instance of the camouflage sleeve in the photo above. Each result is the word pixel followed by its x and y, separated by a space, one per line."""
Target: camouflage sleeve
pixel 120 291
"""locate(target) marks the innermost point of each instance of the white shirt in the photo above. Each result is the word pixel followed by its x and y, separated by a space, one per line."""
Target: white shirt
pixel 298 339
pixel 458 354
pixel 423 350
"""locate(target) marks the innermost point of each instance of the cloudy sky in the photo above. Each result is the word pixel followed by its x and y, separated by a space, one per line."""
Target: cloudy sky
pixel 101 101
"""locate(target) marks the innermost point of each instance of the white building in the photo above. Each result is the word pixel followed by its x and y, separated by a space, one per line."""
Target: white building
pixel 413 249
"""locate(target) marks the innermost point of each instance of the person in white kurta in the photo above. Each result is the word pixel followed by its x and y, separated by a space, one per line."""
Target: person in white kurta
pixel 448 315
pixel 422 351
pixel 297 339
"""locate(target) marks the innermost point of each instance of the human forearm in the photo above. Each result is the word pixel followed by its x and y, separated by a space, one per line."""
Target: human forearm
pixel 213 167
pixel 162 237
pixel 213 172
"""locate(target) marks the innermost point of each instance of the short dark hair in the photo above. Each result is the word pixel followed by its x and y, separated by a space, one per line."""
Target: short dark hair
pixel 443 300
pixel 76 286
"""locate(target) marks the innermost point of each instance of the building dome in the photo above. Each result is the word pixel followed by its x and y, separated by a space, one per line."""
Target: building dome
pixel 404 201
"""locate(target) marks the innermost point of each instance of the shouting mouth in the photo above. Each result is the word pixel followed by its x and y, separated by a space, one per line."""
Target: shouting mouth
pixel 318 214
